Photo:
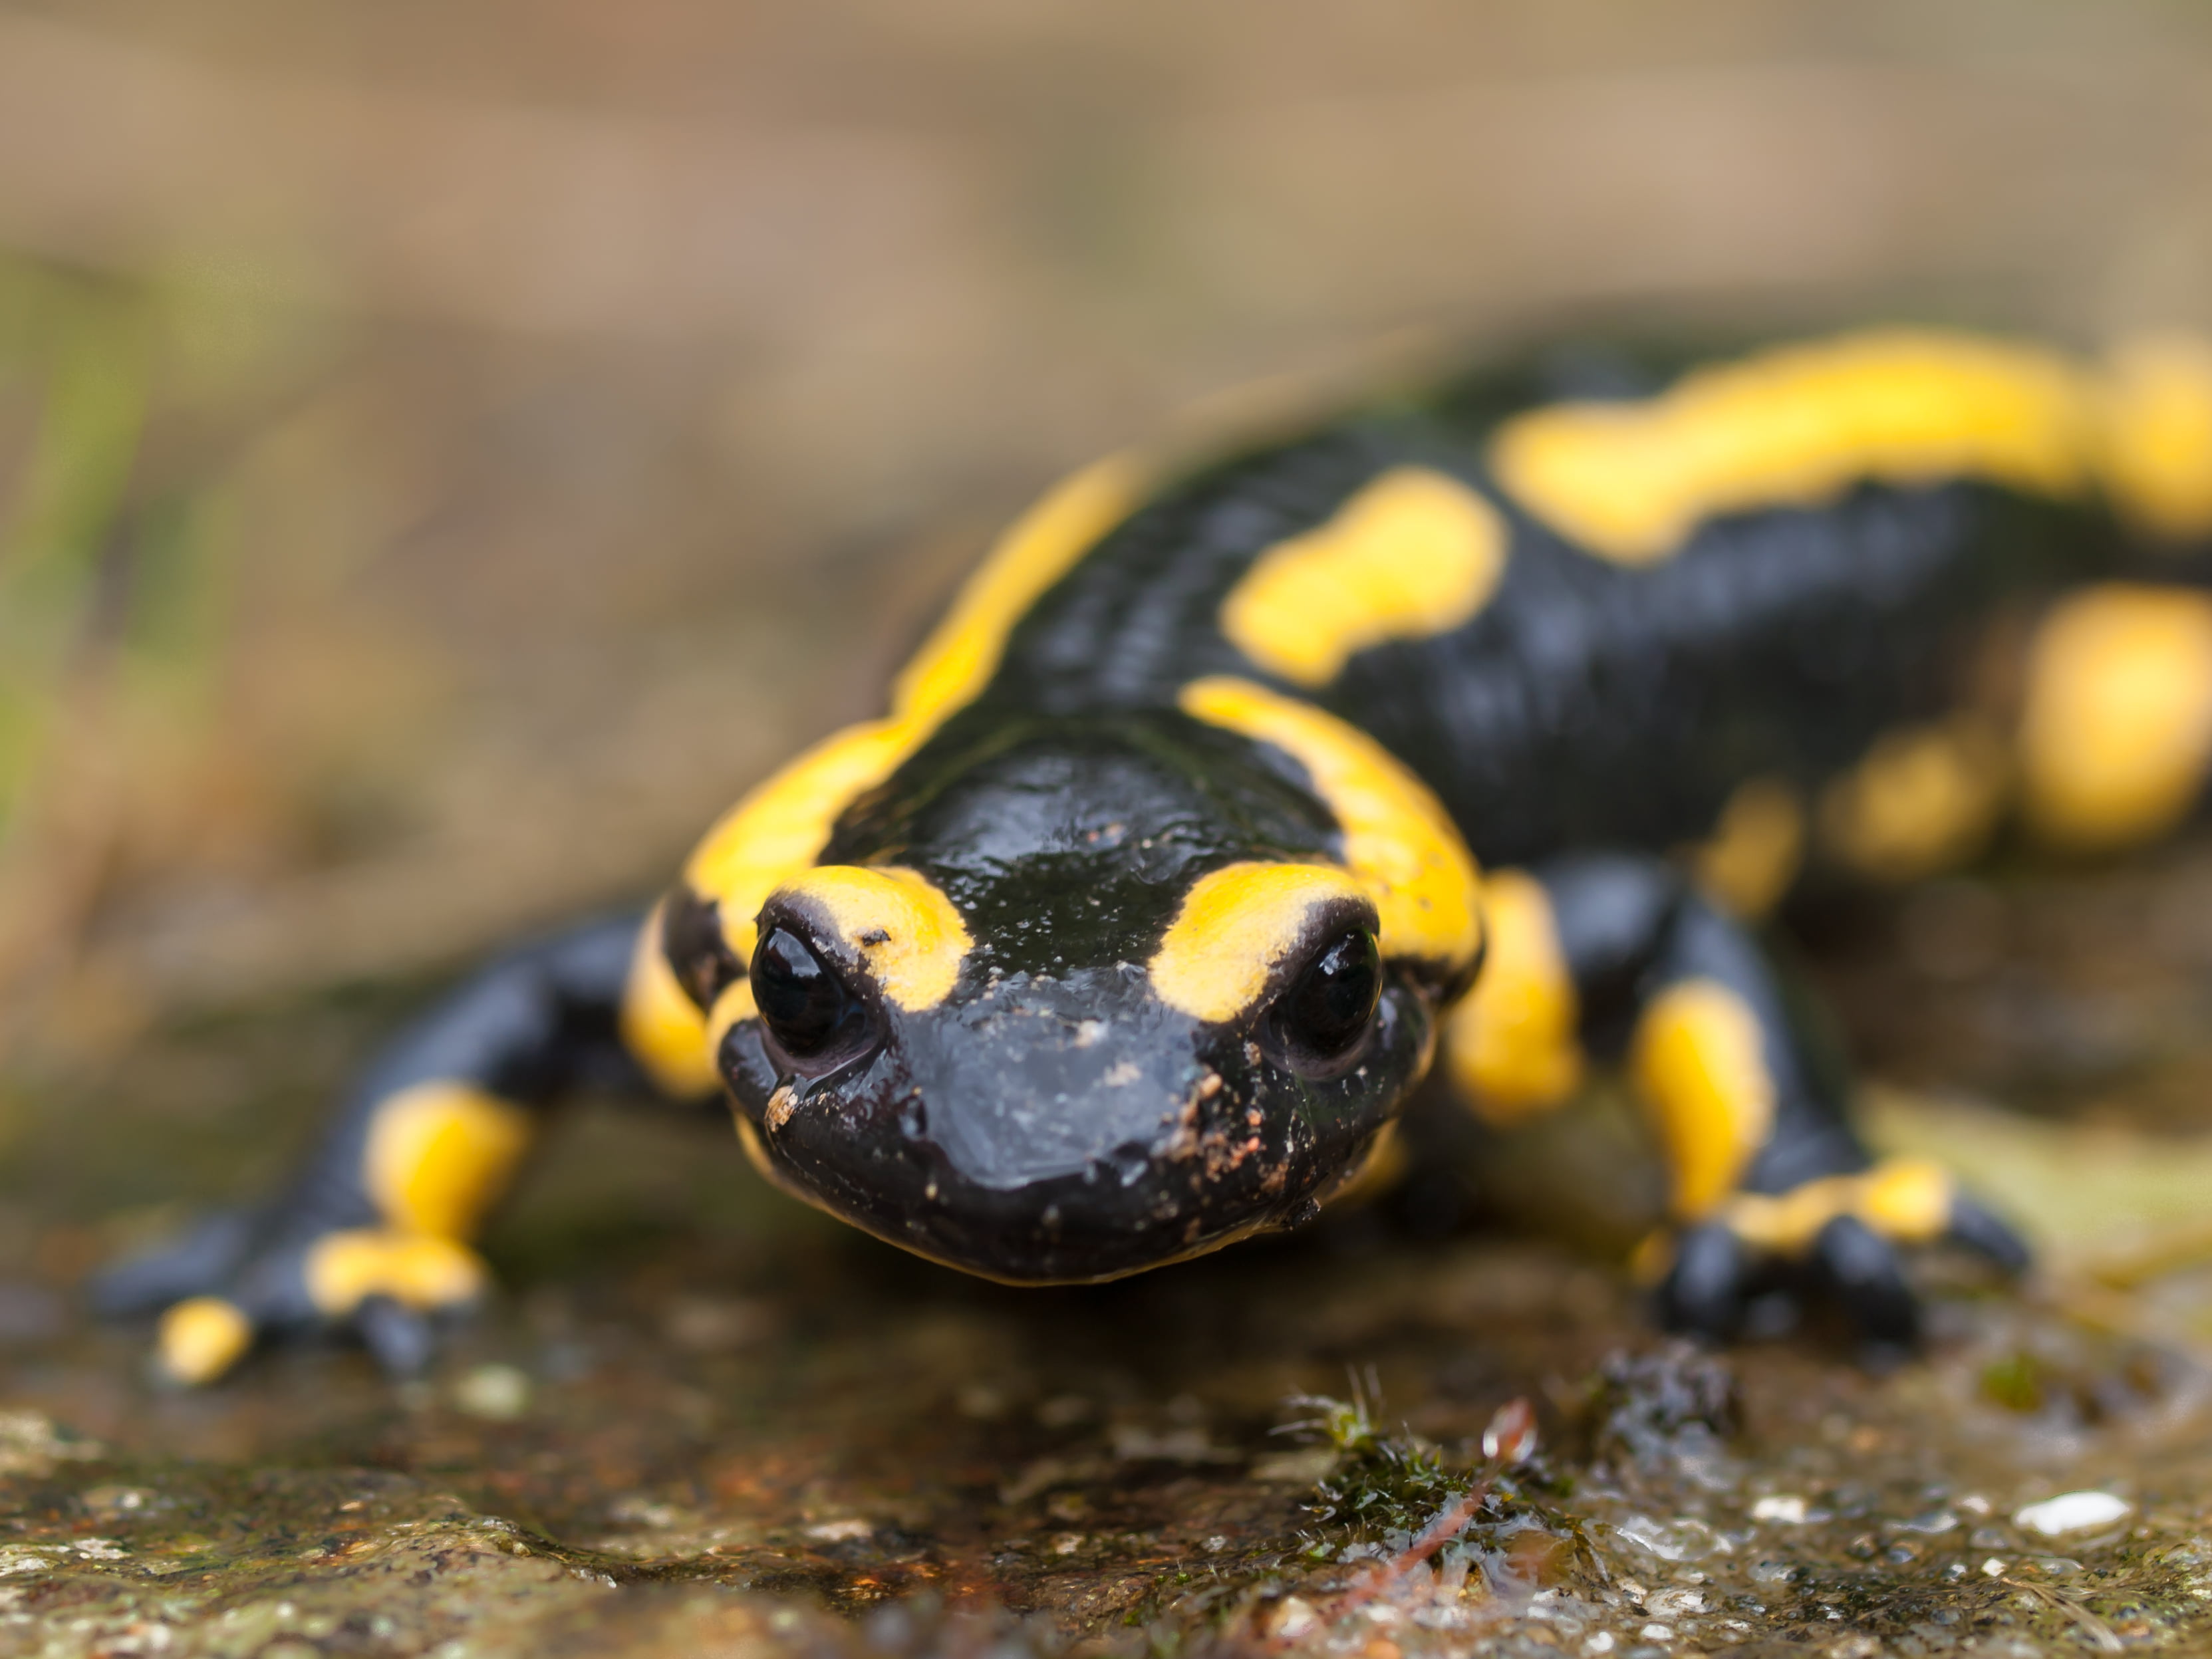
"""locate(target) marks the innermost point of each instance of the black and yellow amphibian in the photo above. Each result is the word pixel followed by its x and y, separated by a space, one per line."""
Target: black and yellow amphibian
pixel 1221 796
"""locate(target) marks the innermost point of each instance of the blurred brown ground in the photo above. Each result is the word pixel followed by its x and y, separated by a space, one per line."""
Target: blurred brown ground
pixel 446 452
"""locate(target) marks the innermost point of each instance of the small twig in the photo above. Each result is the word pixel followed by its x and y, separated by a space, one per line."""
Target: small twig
pixel 2099 1632
pixel 1450 1522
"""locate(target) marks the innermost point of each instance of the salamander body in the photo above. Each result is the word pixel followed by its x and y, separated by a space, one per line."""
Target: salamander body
pixel 1494 716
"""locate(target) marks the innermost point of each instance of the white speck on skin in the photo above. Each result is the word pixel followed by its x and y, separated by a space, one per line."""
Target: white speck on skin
pixel 1785 1508
pixel 833 1532
pixel 1088 1031
pixel 1657 1633
pixel 1993 1567
pixel 1601 1642
pixel 2072 1511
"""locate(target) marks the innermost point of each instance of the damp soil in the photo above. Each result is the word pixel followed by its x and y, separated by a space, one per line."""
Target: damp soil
pixel 699 1419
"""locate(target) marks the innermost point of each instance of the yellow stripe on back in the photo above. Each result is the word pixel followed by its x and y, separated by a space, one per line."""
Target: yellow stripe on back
pixel 1235 927
pixel 1512 1041
pixel 1796 426
pixel 1397 839
pixel 780 827
pixel 1414 553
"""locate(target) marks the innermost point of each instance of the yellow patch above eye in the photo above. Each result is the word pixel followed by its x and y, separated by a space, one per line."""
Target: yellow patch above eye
pixel 1398 839
pixel 439 1154
pixel 898 921
pixel 1235 927
pixel 1413 554
pixel 1796 426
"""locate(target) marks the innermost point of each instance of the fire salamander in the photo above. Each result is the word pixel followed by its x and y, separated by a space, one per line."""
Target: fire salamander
pixel 1491 718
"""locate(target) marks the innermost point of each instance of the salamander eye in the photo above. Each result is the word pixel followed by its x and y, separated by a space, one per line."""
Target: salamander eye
pixel 1328 1007
pixel 806 1007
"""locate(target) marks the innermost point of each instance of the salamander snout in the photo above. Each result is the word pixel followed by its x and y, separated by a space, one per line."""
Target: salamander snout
pixel 1041 1126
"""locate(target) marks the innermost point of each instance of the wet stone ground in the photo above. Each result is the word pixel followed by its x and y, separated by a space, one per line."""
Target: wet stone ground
pixel 699 1421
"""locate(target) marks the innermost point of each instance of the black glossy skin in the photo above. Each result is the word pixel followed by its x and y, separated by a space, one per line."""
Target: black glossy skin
pixel 1051 1120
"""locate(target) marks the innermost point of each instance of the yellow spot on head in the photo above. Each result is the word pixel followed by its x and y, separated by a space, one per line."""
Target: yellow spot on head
pixel 344 1268
pixel 1796 427
pixel 1398 839
pixel 1234 928
pixel 439 1153
pixel 1511 1041
pixel 895 922
pixel 202 1338
pixel 1756 849
pixel 1699 1062
pixel 1413 554
pixel 2157 447
pixel 1923 800
pixel 661 1027
pixel 2116 735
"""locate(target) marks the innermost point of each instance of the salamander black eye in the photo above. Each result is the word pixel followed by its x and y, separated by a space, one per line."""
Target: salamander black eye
pixel 1328 1007
pixel 805 1006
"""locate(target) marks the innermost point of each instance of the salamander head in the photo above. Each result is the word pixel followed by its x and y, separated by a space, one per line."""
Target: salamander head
pixel 1074 1002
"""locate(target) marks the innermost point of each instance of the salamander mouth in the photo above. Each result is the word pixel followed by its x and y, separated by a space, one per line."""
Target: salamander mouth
pixel 1129 1215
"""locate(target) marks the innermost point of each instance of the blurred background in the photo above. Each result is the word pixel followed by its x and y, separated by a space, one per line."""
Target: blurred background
pixel 446 452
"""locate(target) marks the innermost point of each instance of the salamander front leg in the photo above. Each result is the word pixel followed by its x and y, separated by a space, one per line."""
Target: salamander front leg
pixel 1617 960
pixel 374 1236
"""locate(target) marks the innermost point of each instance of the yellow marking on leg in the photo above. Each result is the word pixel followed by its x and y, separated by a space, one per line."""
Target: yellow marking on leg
pixel 661 1027
pixel 1756 849
pixel 1907 1200
pixel 439 1154
pixel 897 921
pixel 2157 434
pixel 201 1338
pixel 342 1269
pixel 1398 839
pixel 2116 735
pixel 1511 1042
pixel 1699 1062
pixel 1923 800
pixel 780 827
pixel 1233 929
pixel 1413 554
pixel 1797 426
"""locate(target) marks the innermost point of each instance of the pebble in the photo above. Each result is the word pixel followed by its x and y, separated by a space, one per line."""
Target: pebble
pixel 2071 1511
